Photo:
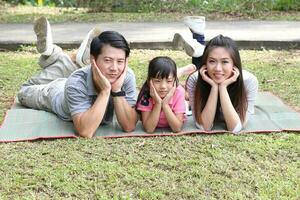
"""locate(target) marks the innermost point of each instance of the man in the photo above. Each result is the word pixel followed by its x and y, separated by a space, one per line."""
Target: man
pixel 89 96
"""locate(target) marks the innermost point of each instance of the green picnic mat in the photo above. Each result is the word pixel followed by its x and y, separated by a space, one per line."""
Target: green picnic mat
pixel 271 115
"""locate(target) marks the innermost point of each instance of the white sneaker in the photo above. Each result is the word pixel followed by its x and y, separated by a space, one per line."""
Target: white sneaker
pixel 191 46
pixel 43 33
pixel 83 54
pixel 195 23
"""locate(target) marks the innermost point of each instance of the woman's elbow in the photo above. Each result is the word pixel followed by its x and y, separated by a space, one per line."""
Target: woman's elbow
pixel 203 125
pixel 237 128
pixel 206 127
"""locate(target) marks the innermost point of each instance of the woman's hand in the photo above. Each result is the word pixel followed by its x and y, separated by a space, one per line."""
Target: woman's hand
pixel 232 79
pixel 206 78
pixel 154 94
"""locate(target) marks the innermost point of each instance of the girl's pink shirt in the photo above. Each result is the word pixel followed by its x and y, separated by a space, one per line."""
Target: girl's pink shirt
pixel 177 105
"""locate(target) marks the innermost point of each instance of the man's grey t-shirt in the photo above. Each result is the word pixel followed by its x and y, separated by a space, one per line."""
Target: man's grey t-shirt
pixel 79 95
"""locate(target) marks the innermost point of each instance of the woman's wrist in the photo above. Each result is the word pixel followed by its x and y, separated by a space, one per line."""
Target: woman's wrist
pixel 214 88
pixel 222 87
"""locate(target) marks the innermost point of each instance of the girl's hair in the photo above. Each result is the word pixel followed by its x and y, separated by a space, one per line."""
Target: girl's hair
pixel 159 67
pixel 111 38
pixel 236 90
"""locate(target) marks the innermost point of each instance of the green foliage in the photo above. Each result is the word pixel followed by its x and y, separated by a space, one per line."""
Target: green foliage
pixel 230 6
pixel 23 2
pixel 285 5
pixel 52 3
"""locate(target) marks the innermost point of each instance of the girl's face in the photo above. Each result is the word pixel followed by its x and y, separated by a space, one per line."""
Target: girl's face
pixel 163 86
pixel 219 64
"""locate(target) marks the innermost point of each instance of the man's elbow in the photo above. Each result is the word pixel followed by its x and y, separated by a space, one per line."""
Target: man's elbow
pixel 129 126
pixel 86 133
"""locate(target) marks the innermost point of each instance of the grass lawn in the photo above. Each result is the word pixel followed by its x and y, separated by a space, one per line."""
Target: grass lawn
pixel 252 166
pixel 27 14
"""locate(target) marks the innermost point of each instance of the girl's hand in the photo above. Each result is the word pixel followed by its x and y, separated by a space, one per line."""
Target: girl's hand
pixel 169 96
pixel 205 77
pixel 154 94
pixel 117 85
pixel 232 79
pixel 100 81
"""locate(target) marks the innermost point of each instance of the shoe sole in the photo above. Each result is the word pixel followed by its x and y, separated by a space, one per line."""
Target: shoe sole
pixel 41 30
pixel 179 41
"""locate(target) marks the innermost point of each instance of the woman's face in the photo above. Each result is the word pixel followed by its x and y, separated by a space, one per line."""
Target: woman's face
pixel 219 64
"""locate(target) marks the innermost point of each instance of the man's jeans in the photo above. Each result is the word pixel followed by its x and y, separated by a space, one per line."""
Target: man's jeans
pixel 41 89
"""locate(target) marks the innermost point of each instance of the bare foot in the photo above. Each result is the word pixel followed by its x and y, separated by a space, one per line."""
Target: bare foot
pixel 186 70
pixel 73 56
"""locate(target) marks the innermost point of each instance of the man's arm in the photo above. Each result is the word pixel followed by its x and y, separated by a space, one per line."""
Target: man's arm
pixel 126 114
pixel 86 123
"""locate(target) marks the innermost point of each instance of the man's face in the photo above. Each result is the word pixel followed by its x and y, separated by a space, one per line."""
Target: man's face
pixel 111 62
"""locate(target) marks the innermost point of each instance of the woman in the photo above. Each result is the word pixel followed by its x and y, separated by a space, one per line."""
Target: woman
pixel 220 90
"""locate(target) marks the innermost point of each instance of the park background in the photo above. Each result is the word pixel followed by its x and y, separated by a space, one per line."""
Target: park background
pixel 251 166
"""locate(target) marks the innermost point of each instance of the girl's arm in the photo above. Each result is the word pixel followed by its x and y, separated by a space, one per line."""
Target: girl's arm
pixel 150 118
pixel 175 121
pixel 232 119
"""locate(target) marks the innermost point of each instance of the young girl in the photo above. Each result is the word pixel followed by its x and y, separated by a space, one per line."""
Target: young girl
pixel 220 89
pixel 161 100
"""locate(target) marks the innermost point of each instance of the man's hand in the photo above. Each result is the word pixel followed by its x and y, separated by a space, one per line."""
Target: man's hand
pixel 117 85
pixel 100 81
